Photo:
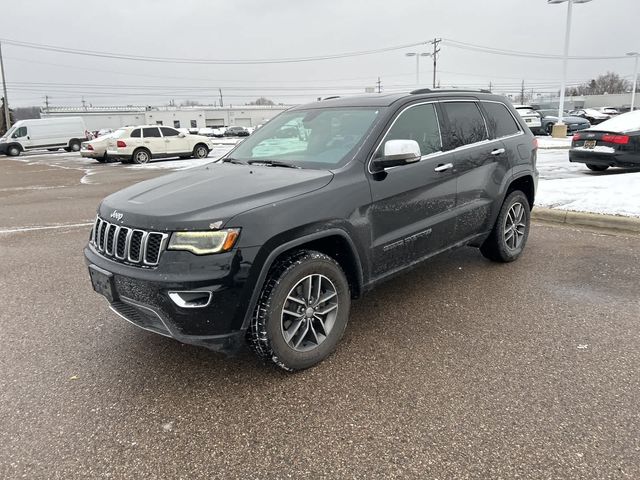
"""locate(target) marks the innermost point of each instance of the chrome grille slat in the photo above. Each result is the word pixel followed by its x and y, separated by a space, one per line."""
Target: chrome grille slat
pixel 107 239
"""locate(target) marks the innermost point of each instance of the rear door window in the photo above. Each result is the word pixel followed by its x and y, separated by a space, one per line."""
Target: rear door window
pixel 464 126
pixel 136 133
pixel 419 123
pixel 499 120
pixel 150 132
pixel 169 132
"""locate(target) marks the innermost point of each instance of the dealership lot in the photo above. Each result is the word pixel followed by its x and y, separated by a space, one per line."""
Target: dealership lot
pixel 461 368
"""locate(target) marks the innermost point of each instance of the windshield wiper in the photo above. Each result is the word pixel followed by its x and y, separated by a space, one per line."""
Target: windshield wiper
pixel 273 163
pixel 233 160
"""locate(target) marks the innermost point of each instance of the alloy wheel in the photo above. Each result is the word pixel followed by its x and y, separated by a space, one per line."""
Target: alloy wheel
pixel 309 312
pixel 515 227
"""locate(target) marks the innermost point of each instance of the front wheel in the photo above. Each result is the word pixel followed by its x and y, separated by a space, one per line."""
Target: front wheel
pixel 597 168
pixel 13 151
pixel 302 311
pixel 511 230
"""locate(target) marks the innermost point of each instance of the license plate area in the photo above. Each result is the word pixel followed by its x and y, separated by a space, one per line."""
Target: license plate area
pixel 589 144
pixel 102 282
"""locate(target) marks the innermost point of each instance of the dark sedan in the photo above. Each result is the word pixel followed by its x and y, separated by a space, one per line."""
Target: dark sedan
pixel 614 143
pixel 236 132
pixel 574 124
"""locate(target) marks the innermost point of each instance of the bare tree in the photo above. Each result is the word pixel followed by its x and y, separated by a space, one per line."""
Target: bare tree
pixel 610 82
pixel 262 101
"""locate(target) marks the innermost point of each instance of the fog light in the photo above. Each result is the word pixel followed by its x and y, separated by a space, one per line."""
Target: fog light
pixel 191 299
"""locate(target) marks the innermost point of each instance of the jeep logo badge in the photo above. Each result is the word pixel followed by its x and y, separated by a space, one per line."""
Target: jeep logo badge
pixel 117 215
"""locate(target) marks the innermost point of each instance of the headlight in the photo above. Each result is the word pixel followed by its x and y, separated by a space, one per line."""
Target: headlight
pixel 3 139
pixel 204 243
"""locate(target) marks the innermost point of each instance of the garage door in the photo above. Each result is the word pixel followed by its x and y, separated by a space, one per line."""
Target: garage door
pixel 214 122
pixel 242 122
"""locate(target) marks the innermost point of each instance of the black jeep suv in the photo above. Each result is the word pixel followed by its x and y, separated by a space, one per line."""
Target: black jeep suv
pixel 270 245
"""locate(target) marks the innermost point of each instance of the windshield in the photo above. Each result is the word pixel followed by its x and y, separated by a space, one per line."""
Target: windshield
pixel 316 138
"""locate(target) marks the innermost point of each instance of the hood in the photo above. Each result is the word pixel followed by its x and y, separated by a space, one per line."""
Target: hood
pixel 568 119
pixel 195 198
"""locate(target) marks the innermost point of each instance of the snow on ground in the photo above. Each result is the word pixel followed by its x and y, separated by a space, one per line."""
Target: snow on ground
pixel 571 186
pixel 550 142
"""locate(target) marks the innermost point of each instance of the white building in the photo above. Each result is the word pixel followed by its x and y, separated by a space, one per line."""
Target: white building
pixel 180 117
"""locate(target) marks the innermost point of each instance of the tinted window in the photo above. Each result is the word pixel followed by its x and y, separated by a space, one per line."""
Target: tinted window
pixel 135 133
pixel 499 120
pixel 176 123
pixel 150 132
pixel 169 132
pixel 419 123
pixel 465 124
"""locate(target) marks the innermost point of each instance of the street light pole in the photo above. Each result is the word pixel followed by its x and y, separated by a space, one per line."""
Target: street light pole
pixel 561 130
pixel 418 55
pixel 635 79
pixel 7 115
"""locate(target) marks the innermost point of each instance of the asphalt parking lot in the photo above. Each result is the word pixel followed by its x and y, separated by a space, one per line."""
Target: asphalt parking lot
pixel 459 369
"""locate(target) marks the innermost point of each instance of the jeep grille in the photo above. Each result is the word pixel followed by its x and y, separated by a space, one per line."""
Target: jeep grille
pixel 127 245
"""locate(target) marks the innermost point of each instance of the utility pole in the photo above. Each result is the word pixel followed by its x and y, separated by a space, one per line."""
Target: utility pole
pixel 46 102
pixel 221 104
pixel 7 116
pixel 436 50
pixel 522 93
pixel 379 83
pixel 84 104
pixel 490 87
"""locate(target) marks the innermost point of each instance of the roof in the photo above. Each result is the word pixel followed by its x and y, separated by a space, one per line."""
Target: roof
pixel 387 99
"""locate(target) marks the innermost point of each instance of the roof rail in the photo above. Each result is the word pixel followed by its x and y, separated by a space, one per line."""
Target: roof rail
pixel 330 98
pixel 449 90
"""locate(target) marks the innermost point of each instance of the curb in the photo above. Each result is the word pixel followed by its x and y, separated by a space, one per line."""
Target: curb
pixel 609 222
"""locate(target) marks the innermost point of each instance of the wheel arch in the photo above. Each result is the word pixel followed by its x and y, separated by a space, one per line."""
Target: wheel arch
pixel 14 144
pixel 334 242
pixel 526 185
pixel 137 149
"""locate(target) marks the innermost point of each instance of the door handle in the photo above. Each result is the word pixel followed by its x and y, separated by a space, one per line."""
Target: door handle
pixel 498 151
pixel 443 167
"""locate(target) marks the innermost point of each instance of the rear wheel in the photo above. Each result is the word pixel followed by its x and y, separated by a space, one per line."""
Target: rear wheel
pixel 302 311
pixel 141 156
pixel 74 146
pixel 597 168
pixel 200 151
pixel 511 230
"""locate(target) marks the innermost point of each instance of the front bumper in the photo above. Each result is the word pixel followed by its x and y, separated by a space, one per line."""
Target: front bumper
pixel 3 148
pixel 141 295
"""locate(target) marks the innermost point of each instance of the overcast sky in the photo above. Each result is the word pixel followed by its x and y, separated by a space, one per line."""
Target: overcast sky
pixel 259 29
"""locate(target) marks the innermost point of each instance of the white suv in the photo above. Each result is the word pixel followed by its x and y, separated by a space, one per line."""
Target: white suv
pixel 145 142
pixel 531 118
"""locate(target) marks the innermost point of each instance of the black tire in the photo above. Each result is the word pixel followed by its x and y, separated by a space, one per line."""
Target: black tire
pixel 66 149
pixel 266 333
pixel 597 168
pixel 549 129
pixel 200 151
pixel 499 246
pixel 13 151
pixel 141 156
pixel 74 146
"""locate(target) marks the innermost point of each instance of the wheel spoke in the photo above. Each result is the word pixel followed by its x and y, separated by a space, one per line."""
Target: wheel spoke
pixel 292 330
pixel 319 289
pixel 327 297
pixel 308 286
pixel 327 310
pixel 302 336
pixel 296 299
pixel 293 314
pixel 313 333
pixel 321 321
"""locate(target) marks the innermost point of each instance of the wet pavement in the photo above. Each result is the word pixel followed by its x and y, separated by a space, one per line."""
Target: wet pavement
pixel 460 368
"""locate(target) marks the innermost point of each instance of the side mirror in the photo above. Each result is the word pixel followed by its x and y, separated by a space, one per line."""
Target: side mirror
pixel 181 135
pixel 396 153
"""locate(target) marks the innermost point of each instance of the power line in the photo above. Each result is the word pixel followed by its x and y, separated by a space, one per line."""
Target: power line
pixel 202 61
pixel 514 53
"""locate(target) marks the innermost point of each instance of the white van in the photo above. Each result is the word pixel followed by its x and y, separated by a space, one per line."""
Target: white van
pixel 46 133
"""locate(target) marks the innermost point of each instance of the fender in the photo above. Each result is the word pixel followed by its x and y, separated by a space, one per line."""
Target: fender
pixel 257 290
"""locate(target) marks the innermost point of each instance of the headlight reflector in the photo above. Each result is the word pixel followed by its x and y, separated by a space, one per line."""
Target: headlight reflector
pixel 204 243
